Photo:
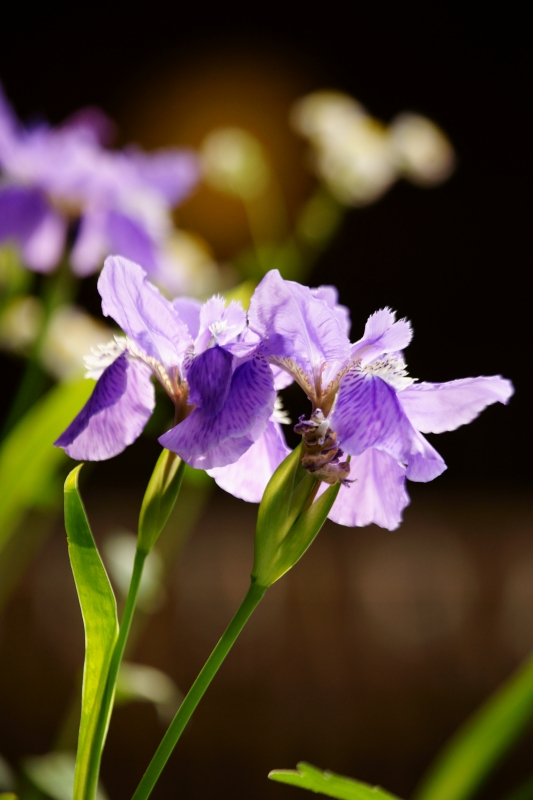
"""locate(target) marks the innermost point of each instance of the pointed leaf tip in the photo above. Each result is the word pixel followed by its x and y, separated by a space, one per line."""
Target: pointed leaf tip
pixel 306 776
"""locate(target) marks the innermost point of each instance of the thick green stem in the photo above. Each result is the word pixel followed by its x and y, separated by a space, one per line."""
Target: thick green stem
pixel 116 659
pixel 197 690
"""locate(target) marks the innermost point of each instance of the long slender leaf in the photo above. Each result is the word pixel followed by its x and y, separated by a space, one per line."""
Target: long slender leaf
pixel 28 458
pixel 308 777
pixel 485 738
pixel 99 612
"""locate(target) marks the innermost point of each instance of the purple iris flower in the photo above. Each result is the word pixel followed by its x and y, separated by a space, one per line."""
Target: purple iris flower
pixel 362 400
pixel 221 385
pixel 119 200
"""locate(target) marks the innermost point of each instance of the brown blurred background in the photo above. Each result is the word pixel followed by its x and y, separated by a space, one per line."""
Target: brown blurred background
pixel 371 652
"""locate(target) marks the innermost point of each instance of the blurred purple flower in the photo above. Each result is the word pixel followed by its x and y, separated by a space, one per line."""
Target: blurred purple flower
pixel 202 355
pixel 119 200
pixel 362 399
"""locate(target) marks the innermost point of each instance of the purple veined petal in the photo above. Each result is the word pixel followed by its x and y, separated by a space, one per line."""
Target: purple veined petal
pixel 91 244
pixel 141 311
pixel 424 463
pixel 297 325
pixel 206 441
pixel 367 414
pixel 377 496
pixel 330 296
pixel 43 249
pixel 130 239
pixel 218 322
pixel 247 478
pixel 382 335
pixel 188 309
pixel 114 416
pixel 209 379
pixel 438 407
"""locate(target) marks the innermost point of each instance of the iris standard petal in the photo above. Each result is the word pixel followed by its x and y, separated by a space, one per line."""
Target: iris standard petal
pixel 114 416
pixel 188 309
pixel 247 478
pixel 367 414
pixel 382 335
pixel 299 326
pixel 248 407
pixel 378 494
pixel 209 379
pixel 141 311
pixel 219 323
pixel 330 296
pixel 438 407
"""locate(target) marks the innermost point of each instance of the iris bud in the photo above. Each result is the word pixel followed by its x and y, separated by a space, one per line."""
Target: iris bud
pixel 288 520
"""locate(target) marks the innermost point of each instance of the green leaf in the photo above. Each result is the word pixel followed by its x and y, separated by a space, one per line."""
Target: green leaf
pixel 53 774
pixel 159 498
pixel 99 611
pixel 288 520
pixel 8 796
pixel 477 747
pixel 308 777
pixel 28 459
pixel 148 684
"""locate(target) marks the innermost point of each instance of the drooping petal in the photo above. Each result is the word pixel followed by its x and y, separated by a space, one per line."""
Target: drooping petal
pixel 206 441
pixel 299 326
pixel 382 335
pixel 114 416
pixel 209 379
pixel 330 296
pixel 91 245
pixel 247 478
pixel 141 311
pixel 367 414
pixel 44 247
pixel 438 407
pixel 188 309
pixel 424 463
pixel 377 496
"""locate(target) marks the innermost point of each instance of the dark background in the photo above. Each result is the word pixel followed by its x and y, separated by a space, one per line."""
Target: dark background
pixel 324 675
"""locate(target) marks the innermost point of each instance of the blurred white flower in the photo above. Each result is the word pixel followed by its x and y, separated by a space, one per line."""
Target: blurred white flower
pixel 358 157
pixel 233 161
pixel 21 323
pixel 424 153
pixel 70 335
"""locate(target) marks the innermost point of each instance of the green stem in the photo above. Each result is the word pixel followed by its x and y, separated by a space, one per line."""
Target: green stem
pixel 116 659
pixel 251 600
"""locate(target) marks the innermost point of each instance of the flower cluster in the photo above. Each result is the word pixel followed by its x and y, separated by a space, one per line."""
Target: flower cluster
pixel 56 180
pixel 223 367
